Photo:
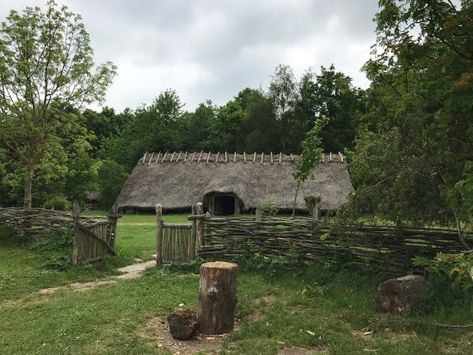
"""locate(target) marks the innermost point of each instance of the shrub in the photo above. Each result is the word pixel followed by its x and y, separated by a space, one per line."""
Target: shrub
pixel 58 203
pixel 55 250
pixel 8 236
pixel 450 275
pixel 269 207
pixel 311 201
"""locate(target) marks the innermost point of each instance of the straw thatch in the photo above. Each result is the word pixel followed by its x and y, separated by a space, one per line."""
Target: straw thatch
pixel 178 180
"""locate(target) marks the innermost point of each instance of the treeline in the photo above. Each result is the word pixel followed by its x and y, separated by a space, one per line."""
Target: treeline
pixel 276 119
pixel 104 146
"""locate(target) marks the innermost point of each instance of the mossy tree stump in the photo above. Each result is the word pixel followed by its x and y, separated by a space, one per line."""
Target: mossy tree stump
pixel 217 297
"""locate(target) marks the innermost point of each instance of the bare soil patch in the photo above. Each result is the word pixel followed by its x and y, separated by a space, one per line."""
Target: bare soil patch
pixel 157 330
pixel 294 350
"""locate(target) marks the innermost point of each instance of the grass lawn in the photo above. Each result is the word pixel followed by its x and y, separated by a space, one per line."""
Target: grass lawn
pixel 137 232
pixel 327 311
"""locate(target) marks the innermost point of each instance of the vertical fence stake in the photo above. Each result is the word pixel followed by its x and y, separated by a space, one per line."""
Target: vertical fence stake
pixel 75 247
pixel 112 217
pixel 316 212
pixel 159 236
pixel 193 234
pixel 199 210
pixel 258 215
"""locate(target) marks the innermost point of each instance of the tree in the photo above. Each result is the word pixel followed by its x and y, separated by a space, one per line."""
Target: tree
pixel 227 129
pixel 413 163
pixel 195 127
pixel 282 90
pixel 110 181
pixel 45 63
pixel 312 152
pixel 331 94
pixel 153 128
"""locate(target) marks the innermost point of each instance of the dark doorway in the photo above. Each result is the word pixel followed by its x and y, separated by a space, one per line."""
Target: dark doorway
pixel 224 205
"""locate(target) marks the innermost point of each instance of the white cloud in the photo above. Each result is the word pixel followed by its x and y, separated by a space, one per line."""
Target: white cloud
pixel 211 49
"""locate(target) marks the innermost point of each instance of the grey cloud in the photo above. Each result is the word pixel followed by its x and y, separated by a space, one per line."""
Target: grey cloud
pixel 211 49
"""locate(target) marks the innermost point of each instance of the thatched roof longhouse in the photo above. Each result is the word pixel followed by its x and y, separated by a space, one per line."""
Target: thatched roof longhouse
pixel 178 180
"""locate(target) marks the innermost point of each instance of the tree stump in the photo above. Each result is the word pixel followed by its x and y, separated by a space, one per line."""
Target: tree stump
pixel 217 297
pixel 182 324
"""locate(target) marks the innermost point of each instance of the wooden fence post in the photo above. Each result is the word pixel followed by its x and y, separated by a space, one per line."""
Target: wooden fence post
pixel 258 215
pixel 193 234
pixel 112 217
pixel 159 236
pixel 75 246
pixel 316 211
pixel 199 210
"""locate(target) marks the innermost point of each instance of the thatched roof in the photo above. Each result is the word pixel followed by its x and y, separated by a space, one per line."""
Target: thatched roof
pixel 178 180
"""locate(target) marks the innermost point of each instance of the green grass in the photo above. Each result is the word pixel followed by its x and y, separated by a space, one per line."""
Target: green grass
pixel 317 308
pixel 137 232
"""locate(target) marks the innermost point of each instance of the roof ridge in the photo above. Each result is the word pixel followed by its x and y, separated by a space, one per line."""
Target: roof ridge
pixel 149 158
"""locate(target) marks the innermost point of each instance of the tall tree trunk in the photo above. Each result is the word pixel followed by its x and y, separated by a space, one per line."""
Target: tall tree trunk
pixel 27 198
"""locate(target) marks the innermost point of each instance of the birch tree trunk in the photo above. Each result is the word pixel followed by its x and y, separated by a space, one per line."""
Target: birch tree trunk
pixel 27 197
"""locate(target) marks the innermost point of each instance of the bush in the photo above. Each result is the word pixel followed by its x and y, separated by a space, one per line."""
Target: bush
pixel 269 207
pixel 311 201
pixel 9 237
pixel 111 179
pixel 58 203
pixel 55 250
pixel 450 276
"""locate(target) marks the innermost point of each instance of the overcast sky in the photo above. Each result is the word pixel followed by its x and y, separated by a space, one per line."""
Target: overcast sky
pixel 211 49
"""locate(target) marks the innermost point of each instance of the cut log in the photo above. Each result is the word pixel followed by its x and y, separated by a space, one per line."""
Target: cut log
pixel 182 324
pixel 217 297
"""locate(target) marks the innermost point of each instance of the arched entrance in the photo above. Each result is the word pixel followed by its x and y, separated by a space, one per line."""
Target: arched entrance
pixel 222 203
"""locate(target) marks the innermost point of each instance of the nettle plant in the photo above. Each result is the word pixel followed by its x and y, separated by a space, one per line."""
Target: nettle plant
pixel 453 269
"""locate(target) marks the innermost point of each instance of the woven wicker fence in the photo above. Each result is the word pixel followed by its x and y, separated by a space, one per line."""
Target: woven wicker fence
pixel 39 221
pixel 385 247
pixel 93 238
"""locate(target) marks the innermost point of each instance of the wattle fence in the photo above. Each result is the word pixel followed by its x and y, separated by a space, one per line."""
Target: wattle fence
pixel 94 239
pixel 388 248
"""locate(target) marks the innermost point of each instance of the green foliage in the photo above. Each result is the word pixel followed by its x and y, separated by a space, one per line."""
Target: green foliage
pixel 413 156
pixel 192 266
pixel 45 64
pixel 269 207
pixel 451 276
pixel 270 267
pixel 8 236
pixel 311 201
pixel 311 152
pixel 331 95
pixel 59 203
pixel 110 180
pixel 55 250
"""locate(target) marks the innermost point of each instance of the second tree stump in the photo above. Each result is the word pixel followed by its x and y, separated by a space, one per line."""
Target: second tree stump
pixel 217 297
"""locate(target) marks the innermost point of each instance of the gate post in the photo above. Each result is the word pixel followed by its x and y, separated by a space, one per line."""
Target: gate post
pixel 159 236
pixel 112 217
pixel 193 234
pixel 199 211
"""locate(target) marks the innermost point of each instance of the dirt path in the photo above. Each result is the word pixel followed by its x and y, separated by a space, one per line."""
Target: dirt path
pixel 132 271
